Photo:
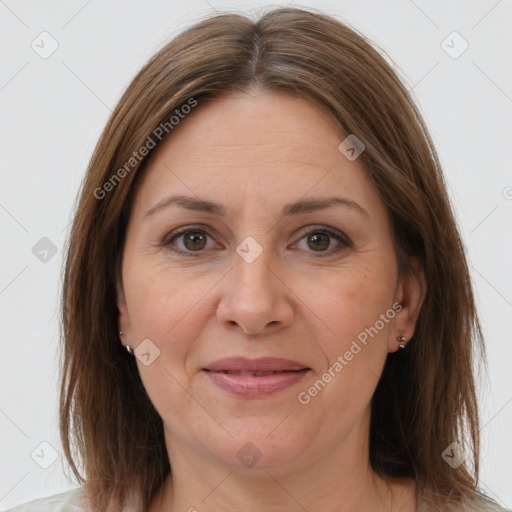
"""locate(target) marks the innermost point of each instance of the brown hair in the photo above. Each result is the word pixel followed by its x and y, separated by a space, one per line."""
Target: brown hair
pixel 425 399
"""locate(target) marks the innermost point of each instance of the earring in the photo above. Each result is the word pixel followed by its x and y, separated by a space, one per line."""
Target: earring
pixel 127 347
pixel 402 345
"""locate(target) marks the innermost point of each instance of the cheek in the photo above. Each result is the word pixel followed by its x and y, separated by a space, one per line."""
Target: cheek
pixel 355 309
pixel 161 302
pixel 166 309
pixel 350 299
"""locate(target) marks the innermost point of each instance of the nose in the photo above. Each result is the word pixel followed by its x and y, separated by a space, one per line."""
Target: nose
pixel 255 298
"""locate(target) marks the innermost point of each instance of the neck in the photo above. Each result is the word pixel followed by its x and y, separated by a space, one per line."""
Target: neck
pixel 341 481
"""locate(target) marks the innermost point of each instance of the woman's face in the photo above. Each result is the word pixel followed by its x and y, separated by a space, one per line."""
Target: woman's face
pixel 278 246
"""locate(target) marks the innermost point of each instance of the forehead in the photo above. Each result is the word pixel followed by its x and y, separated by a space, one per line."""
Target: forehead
pixel 265 147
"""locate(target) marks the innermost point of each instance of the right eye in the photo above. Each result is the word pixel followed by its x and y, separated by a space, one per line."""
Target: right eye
pixel 189 241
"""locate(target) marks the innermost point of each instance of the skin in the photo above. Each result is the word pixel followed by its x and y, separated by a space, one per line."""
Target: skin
pixel 254 153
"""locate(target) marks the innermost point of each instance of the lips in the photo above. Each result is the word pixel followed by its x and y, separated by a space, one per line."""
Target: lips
pixel 255 377
pixel 254 374
pixel 261 365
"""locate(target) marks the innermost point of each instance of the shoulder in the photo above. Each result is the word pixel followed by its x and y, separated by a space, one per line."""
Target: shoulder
pixel 476 502
pixel 484 505
pixel 67 501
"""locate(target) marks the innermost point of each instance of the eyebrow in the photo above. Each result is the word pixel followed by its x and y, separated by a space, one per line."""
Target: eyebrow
pixel 296 208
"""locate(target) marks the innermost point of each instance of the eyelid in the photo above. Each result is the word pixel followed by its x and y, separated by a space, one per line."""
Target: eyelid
pixel 321 228
pixel 185 229
pixel 181 231
pixel 339 236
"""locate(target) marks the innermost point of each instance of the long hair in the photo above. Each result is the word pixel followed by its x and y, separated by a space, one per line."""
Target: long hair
pixel 425 399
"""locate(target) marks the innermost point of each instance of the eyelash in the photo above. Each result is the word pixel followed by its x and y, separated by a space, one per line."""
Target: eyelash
pixel 343 240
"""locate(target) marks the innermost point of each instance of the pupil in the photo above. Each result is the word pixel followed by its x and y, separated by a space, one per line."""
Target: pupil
pixel 194 241
pixel 319 241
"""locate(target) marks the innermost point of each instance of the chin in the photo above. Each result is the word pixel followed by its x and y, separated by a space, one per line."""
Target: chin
pixel 259 446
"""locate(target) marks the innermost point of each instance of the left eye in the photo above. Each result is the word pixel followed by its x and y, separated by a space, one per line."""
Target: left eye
pixel 193 241
pixel 321 241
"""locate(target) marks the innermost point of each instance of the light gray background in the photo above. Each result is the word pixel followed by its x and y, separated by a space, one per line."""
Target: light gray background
pixel 52 113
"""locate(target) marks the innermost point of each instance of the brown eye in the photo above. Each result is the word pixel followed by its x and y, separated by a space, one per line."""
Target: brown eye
pixel 324 241
pixel 194 240
pixel 189 242
pixel 318 241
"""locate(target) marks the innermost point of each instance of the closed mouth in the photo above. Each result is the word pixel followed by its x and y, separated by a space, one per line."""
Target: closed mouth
pixel 256 374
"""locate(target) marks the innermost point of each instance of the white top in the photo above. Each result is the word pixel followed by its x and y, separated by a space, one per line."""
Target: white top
pixel 70 501
pixel 65 502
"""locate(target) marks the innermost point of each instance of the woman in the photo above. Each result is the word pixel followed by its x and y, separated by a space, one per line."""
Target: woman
pixel 266 303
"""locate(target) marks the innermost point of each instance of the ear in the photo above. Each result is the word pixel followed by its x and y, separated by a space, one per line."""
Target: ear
pixel 123 322
pixel 410 293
